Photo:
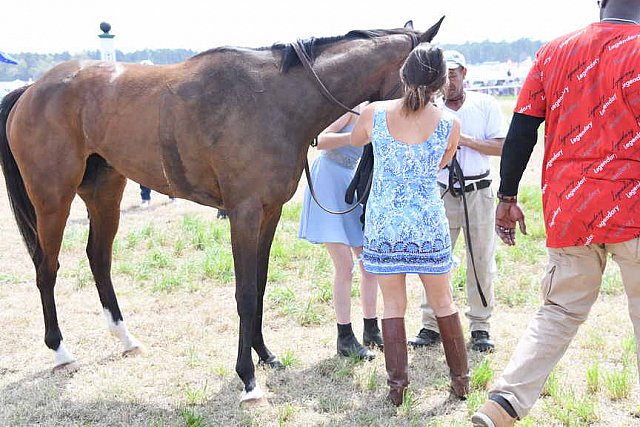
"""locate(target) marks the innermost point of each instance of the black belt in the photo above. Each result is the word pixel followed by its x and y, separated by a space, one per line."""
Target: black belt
pixel 479 185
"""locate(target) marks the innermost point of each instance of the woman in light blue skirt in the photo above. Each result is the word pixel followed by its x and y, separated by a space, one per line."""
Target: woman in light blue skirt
pixel 342 235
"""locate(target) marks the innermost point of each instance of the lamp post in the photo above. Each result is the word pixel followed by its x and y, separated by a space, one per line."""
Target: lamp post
pixel 107 48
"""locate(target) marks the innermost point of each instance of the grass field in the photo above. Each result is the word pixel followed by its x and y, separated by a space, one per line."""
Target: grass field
pixel 174 277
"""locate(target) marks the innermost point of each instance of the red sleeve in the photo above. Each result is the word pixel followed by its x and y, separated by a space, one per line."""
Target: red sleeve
pixel 532 100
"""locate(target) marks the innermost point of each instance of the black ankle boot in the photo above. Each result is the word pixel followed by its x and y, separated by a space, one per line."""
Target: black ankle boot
pixel 348 344
pixel 371 336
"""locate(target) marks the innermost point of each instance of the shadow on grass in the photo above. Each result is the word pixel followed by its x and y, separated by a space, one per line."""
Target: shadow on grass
pixel 39 400
pixel 332 392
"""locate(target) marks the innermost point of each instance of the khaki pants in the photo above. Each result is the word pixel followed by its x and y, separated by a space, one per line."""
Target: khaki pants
pixel 569 289
pixel 481 206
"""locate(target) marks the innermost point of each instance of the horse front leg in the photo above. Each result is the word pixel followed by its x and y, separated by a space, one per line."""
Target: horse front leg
pixel 245 220
pixel 267 231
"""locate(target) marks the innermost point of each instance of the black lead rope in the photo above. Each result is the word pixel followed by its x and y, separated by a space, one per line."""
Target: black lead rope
pixel 315 197
pixel 456 175
pixel 305 59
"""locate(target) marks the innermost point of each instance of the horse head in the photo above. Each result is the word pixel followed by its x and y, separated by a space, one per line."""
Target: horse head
pixel 391 86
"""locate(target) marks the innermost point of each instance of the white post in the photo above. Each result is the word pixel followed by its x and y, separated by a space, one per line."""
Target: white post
pixel 107 46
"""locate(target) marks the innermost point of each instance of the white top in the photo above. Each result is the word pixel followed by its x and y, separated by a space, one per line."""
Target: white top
pixel 481 118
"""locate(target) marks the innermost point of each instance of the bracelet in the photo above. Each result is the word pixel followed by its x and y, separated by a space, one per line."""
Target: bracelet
pixel 507 199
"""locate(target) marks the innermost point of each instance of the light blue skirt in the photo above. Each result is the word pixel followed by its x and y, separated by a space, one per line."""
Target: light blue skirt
pixel 330 181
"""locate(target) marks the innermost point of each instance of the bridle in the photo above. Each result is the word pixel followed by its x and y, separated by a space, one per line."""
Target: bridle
pixel 298 47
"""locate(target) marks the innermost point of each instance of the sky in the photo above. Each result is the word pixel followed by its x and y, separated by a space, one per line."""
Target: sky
pixel 51 26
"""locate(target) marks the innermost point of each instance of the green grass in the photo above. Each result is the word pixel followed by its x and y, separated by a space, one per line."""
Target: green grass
pixel 482 374
pixel 289 359
pixel 195 395
pixel 475 399
pixel 371 382
pixel 409 404
pixel 617 384
pixel 572 410
pixel 551 387
pixel 192 418
pixel 593 378
pixel 75 238
pixel 286 414
pixel 629 352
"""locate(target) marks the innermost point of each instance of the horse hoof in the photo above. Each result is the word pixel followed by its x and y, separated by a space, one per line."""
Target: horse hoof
pixel 272 363
pixel 66 368
pixel 134 351
pixel 254 397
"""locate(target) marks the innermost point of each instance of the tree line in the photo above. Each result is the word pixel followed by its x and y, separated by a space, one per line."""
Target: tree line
pixel 33 65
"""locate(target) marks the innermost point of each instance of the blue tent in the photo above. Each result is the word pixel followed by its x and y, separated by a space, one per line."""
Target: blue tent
pixel 7 59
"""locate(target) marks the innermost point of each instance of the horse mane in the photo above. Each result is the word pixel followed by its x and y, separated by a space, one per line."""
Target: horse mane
pixel 290 59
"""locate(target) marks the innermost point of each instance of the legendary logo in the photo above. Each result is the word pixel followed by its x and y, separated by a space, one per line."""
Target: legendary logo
pixel 524 109
pixel 628 83
pixel 609 215
pixel 608 104
pixel 559 100
pixel 576 188
pixel 555 215
pixel 632 141
pixel 554 158
pixel 579 136
pixel 623 41
pixel 633 191
pixel 583 74
pixel 606 161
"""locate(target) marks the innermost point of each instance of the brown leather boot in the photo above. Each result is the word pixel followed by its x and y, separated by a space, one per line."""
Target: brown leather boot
pixel 395 358
pixel 491 414
pixel 455 352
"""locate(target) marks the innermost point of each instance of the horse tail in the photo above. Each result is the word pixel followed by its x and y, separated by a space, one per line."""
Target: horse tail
pixel 21 205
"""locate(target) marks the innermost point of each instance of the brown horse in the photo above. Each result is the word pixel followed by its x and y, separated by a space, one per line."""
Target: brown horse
pixel 228 128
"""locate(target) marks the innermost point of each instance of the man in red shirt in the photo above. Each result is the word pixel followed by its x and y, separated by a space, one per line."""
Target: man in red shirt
pixel 586 87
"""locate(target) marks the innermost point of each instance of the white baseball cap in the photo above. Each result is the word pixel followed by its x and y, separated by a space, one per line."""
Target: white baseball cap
pixel 454 59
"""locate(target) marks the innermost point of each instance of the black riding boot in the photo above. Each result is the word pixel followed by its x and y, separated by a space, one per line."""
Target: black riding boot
pixel 348 344
pixel 371 336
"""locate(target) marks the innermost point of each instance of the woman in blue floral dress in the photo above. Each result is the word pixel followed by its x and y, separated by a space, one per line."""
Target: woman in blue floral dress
pixel 406 229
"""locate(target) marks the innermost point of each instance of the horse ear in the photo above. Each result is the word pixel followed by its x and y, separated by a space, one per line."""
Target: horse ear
pixel 408 25
pixel 428 35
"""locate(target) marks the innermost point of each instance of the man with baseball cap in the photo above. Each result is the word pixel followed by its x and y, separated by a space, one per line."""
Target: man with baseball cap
pixel 470 201
pixel 454 60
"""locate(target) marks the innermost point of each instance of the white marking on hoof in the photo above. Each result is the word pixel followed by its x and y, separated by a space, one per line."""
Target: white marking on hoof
pixel 62 357
pixel 119 329
pixel 253 396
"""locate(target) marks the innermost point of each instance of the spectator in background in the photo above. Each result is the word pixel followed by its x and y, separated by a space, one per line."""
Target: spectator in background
pixel 145 195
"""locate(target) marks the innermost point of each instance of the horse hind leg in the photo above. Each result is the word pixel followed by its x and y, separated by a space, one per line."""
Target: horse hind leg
pixel 51 212
pixel 101 190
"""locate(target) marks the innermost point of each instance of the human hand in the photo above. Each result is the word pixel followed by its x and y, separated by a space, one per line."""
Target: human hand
pixel 507 215
pixel 465 140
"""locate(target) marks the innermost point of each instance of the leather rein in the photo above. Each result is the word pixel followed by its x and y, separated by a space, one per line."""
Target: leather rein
pixel 298 47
